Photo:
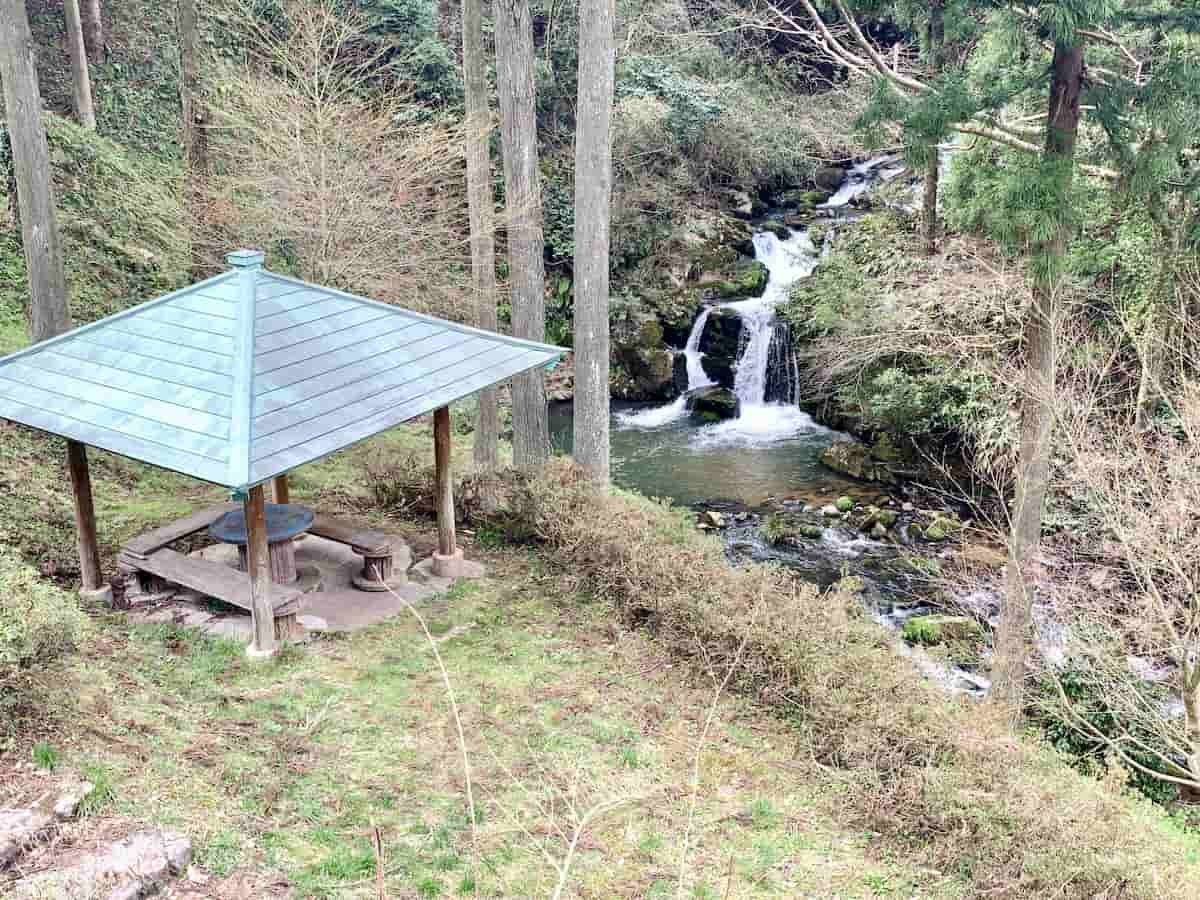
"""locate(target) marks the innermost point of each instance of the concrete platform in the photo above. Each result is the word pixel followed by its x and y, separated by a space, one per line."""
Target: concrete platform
pixel 336 606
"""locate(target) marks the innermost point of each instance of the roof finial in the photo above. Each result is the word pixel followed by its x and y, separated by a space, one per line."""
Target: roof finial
pixel 245 259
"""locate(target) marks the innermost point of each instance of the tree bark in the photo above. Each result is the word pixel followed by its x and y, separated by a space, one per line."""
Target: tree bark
pixel 1014 638
pixel 81 79
pixel 518 116
pixel 48 312
pixel 195 142
pixel 479 196
pixel 593 199
pixel 93 31
pixel 937 58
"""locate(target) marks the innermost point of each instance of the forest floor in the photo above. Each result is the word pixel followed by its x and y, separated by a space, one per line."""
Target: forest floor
pixel 280 772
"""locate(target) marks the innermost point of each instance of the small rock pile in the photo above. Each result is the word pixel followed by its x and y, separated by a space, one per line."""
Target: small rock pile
pixel 138 866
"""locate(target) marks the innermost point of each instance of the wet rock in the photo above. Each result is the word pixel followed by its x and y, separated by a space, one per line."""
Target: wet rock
pixel 854 459
pixel 714 518
pixel 845 504
pixel 720 370
pixel 830 511
pixel 645 360
pixel 714 405
pixel 750 280
pixel 680 373
pixel 829 178
pixel 879 532
pixel 940 529
pixel 722 334
pixel 746 205
pixel 812 532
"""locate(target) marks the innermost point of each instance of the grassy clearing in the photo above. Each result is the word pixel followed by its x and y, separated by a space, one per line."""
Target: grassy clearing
pixel 280 772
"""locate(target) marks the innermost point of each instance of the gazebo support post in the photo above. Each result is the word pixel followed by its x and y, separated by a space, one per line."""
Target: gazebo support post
pixel 92 587
pixel 281 490
pixel 262 611
pixel 448 561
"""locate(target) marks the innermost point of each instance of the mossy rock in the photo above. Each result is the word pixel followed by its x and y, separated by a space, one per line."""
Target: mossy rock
pixel 750 281
pixel 854 459
pixel 715 405
pixel 940 529
pixel 844 504
pixel 938 628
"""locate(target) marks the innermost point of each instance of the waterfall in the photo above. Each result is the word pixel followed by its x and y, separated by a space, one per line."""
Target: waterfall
pixel 787 261
pixel 658 416
pixel 697 378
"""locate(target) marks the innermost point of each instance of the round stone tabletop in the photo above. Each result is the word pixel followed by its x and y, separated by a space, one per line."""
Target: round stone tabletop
pixel 284 521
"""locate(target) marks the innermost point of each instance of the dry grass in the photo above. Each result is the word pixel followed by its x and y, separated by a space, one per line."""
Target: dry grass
pixel 927 774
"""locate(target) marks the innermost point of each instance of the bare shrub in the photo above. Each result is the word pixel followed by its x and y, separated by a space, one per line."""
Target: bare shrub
pixel 927 773
pixel 323 163
pixel 1135 602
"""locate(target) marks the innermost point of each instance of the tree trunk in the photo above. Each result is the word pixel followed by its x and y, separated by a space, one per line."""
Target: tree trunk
pixel 1014 637
pixel 195 142
pixel 937 58
pixel 929 208
pixel 93 31
pixel 514 77
pixel 479 195
pixel 81 79
pixel 48 310
pixel 593 198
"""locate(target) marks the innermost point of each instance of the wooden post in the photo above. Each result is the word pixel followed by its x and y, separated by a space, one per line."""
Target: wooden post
pixel 262 612
pixel 85 520
pixel 283 493
pixel 447 544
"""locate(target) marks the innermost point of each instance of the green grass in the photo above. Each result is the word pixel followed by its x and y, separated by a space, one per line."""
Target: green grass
pixel 45 756
pixel 282 770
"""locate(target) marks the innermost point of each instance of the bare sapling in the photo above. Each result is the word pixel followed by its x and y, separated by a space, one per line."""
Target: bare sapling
pixel 317 158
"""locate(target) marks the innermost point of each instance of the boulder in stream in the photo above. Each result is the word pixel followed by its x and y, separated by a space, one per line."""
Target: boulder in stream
pixel 748 281
pixel 722 334
pixel 720 370
pixel 714 405
pixel 854 459
pixel 937 628
pixel 829 178
pixel 646 361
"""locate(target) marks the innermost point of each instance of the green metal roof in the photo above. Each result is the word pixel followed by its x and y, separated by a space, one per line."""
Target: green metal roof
pixel 250 374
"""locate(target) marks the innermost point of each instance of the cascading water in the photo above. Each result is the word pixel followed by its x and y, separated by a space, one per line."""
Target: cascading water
pixel 664 415
pixel 697 377
pixel 787 261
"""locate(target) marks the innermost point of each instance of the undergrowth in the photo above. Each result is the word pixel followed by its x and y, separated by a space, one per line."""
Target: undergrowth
pixel 926 773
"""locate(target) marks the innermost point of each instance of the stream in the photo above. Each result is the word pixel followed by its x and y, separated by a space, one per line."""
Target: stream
pixel 768 457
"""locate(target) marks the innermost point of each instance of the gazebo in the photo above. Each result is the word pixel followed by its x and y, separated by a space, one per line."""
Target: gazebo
pixel 238 380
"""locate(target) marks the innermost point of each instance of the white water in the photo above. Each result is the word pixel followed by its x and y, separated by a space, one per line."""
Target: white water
pixel 657 416
pixel 787 261
pixel 861 178
pixel 697 377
